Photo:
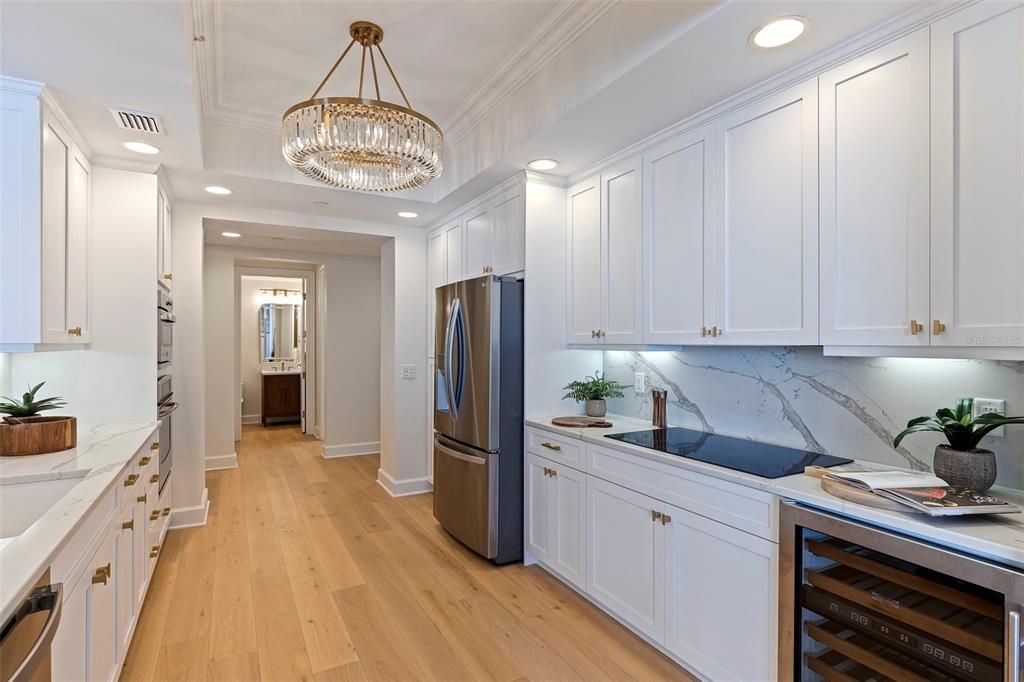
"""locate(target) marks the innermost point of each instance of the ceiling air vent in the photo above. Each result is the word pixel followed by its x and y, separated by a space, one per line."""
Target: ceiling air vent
pixel 138 121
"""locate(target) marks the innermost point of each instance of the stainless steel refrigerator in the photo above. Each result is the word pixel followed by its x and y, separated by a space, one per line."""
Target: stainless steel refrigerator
pixel 478 415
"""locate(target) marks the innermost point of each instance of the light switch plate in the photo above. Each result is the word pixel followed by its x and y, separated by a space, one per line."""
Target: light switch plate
pixel 639 382
pixel 987 406
pixel 408 372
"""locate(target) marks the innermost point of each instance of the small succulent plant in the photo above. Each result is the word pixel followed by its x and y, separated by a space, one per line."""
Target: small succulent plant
pixel 593 388
pixel 28 406
pixel 962 431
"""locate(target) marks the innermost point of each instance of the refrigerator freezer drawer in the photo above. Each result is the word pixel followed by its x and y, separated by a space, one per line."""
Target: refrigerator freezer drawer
pixel 466 495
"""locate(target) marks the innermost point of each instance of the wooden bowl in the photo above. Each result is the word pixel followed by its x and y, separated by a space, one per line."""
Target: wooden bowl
pixel 37 435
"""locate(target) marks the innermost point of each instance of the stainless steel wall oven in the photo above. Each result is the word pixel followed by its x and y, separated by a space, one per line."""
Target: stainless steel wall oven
pixel 166 405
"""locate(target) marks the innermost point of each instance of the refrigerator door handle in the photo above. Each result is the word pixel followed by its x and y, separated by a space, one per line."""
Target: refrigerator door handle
pixel 459 386
pixel 449 341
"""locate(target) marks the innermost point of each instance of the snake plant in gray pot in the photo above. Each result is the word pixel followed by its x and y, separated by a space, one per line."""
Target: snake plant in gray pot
pixel 959 461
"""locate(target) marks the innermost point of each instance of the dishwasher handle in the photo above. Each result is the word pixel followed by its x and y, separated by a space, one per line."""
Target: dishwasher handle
pixel 1013 644
pixel 47 598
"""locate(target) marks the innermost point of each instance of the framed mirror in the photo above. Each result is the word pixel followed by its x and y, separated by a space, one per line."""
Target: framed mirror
pixel 279 332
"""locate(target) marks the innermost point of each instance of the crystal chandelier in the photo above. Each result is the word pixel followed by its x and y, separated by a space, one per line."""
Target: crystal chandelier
pixel 362 144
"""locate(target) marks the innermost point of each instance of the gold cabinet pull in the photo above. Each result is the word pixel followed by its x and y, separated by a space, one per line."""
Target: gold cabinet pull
pixel 75 331
pixel 937 327
pixel 655 515
pixel 131 480
pixel 143 461
pixel 168 276
pixel 593 333
pixel 127 525
pixel 99 578
pixel 665 519
pixel 554 473
pixel 166 511
pixel 551 446
pixel 601 334
pixel 154 478
pixel 140 498
pixel 703 332
pixel 154 515
pixel 154 446
pixel 154 551
pixel 916 328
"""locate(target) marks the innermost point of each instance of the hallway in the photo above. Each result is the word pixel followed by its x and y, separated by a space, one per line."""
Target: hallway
pixel 307 570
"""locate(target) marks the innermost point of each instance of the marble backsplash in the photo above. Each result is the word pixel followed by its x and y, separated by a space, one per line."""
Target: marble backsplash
pixel 798 397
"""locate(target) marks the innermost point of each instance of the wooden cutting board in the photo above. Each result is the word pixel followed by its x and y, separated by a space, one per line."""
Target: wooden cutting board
pixel 854 494
pixel 582 422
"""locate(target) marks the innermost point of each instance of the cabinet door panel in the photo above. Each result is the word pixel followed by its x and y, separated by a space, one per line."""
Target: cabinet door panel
pixel 453 253
pixel 622 255
pixel 78 235
pixel 166 269
pixel 69 650
pixel 584 266
pixel 569 511
pixel 56 154
pixel 720 590
pixel 978 176
pixel 508 246
pixel 874 197
pixel 125 580
pixel 676 208
pixel 435 278
pixel 102 612
pixel 767 225
pixel 478 243
pixel 624 566
pixel 538 504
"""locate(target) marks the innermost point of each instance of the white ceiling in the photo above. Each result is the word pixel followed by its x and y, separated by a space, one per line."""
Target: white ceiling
pixel 286 238
pixel 508 80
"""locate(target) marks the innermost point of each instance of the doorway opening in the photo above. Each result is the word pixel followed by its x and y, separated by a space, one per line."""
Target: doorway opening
pixel 277 350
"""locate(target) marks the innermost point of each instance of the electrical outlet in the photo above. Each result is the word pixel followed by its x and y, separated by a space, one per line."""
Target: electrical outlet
pixel 408 372
pixel 988 406
pixel 639 382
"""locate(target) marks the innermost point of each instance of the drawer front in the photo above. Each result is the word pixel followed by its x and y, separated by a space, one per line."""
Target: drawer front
pixel 75 548
pixel 734 505
pixel 557 448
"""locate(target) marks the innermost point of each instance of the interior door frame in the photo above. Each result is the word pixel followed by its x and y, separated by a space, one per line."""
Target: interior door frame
pixel 313 341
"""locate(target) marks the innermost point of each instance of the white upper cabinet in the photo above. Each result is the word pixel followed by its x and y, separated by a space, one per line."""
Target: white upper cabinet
pixel 677 239
pixel 164 271
pixel 45 204
pixel 454 256
pixel 584 271
pixel 508 242
pixel 874 197
pixel 767 221
pixel 622 253
pixel 477 233
pixel 977 193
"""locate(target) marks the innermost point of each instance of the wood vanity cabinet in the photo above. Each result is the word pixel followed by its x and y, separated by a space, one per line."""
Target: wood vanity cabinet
pixel 282 398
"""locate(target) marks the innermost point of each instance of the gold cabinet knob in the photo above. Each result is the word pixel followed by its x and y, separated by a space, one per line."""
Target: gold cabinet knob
pixel 714 332
pixel 154 446
pixel 101 575
pixel 937 327
pixel 593 333
pixel 154 551
pixel 655 515
pixel 75 331
pixel 165 511
pixel 154 478
pixel 154 515
pixel 168 276
pixel 127 525
pixel 915 328
pixel 131 480
pixel 143 461
pixel 140 498
pixel 703 332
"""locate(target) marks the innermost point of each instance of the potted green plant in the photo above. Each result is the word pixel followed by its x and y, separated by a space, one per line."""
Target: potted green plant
pixel 24 432
pixel 593 391
pixel 960 462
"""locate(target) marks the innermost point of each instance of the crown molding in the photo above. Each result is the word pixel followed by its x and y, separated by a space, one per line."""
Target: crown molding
pixel 518 179
pixel 21 86
pixel 538 178
pixel 134 165
pixel 48 98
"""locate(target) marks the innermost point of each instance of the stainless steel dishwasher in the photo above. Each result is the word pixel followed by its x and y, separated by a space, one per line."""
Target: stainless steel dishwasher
pixel 26 636
pixel 858 602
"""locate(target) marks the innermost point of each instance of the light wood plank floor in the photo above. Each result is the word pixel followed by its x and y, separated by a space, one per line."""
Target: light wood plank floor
pixel 308 570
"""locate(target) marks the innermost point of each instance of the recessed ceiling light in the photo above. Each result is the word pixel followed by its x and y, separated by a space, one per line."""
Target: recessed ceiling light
pixel 217 189
pixel 779 32
pixel 408 214
pixel 542 164
pixel 141 148
pixel 232 235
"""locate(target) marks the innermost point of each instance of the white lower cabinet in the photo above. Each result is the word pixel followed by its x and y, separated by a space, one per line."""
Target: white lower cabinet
pixel 556 533
pixel 704 592
pixel 719 598
pixel 69 653
pixel 102 623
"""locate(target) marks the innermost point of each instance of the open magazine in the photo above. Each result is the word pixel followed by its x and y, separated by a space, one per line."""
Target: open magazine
pixel 924 492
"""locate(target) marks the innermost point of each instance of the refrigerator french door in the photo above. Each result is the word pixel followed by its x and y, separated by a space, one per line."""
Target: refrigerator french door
pixel 478 415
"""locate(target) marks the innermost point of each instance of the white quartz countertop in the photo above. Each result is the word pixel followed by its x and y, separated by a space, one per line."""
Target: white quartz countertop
pixel 999 537
pixel 104 449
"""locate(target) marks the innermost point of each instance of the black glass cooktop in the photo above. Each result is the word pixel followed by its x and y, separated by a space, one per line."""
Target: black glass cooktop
pixel 760 459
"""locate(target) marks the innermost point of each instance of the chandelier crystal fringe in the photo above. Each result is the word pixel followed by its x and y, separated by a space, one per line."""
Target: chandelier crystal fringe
pixel 362 144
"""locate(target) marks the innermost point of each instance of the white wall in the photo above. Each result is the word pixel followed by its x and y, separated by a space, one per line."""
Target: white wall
pixel 351 355
pixel 114 379
pixel 5 374
pixel 549 365
pixel 249 363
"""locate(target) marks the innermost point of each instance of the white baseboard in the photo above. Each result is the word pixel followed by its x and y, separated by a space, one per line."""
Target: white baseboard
pixel 219 462
pixel 404 487
pixel 351 449
pixel 251 418
pixel 189 517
